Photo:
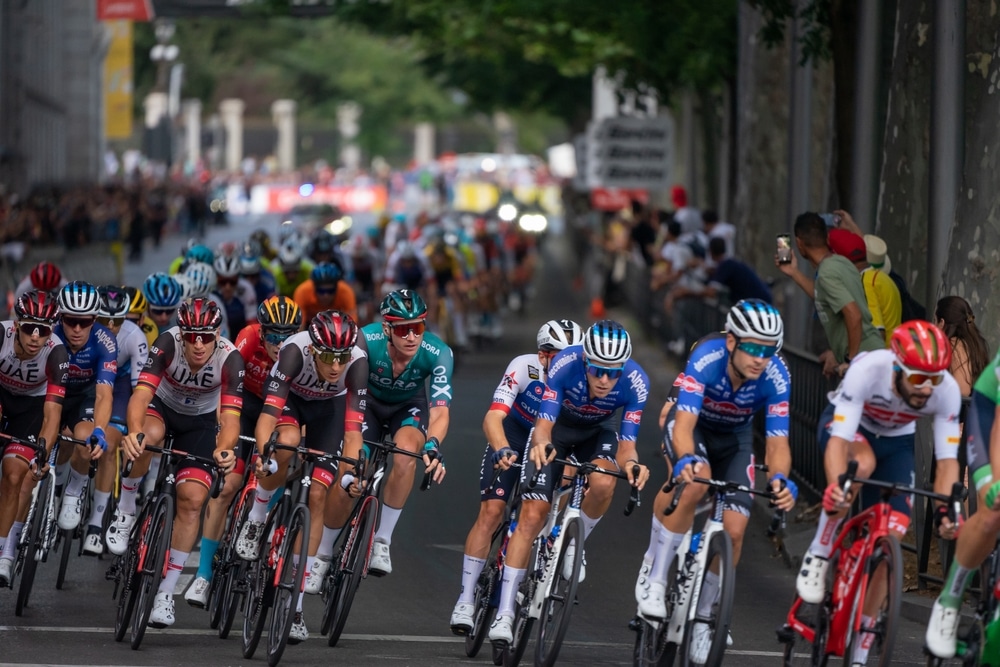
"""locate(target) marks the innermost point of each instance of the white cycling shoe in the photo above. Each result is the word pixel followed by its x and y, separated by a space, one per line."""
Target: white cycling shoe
pixel 197 592
pixel 653 602
pixel 69 513
pixel 298 633
pixel 941 631
pixel 118 533
pixel 570 554
pixel 502 630
pixel 316 576
pixel 380 564
pixel 811 580
pixel 163 611
pixel 93 545
pixel 462 618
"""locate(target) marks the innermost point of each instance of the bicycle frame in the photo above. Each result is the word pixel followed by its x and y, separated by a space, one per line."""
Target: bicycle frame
pixel 547 555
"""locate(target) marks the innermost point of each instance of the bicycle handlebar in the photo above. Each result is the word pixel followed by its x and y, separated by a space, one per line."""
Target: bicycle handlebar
pixel 587 467
pixel 217 483
pixel 90 442
pixel 721 486
pixel 389 447
pixel 953 500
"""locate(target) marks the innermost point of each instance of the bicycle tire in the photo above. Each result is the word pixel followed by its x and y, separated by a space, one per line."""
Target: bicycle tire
pixel 30 562
pixel 488 582
pixel 65 543
pixel 260 593
pixel 557 609
pixel 720 546
pixel 291 568
pixel 523 624
pixel 353 566
pixel 157 538
pixel 231 570
pixel 128 591
pixel 653 649
pixel 888 554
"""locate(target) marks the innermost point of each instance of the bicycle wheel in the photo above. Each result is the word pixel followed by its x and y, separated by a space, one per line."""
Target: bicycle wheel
pixel 155 538
pixel 523 621
pixel 33 549
pixel 489 582
pixel 882 636
pixel 129 587
pixel 558 605
pixel 291 571
pixel 651 646
pixel 260 592
pixel 228 582
pixel 720 550
pixel 64 542
pixel 353 565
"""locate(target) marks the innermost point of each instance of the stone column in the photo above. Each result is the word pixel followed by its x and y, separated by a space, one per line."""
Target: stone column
pixel 156 108
pixel 423 143
pixel 192 131
pixel 283 115
pixel 231 111
pixel 348 114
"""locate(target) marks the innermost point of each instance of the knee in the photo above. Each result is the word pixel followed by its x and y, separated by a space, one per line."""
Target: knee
pixel 317 497
pixel 490 513
pixel 404 465
pixel 601 486
pixel 532 516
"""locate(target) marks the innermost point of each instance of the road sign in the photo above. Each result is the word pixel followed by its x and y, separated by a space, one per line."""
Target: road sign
pixel 630 153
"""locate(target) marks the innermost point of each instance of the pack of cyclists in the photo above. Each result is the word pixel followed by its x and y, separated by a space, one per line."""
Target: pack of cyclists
pixel 227 343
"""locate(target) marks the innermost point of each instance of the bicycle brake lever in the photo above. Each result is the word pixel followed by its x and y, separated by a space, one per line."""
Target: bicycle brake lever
pixel 428 477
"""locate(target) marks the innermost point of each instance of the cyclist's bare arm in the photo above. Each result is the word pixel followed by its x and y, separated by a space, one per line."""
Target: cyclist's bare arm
pixel 683 441
pixel 493 428
pixel 994 448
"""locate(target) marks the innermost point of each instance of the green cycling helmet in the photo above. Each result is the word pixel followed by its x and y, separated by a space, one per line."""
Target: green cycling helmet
pixel 402 305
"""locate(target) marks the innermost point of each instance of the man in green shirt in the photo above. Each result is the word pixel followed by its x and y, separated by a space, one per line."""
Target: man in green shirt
pixel 838 294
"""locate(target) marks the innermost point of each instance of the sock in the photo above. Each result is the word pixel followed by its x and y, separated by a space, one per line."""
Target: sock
pixel 62 473
pixel 710 592
pixel 259 510
pixel 75 485
pixel 10 544
pixel 101 499
pixel 274 500
pixel 126 501
pixel 864 640
pixel 654 533
pixel 302 593
pixel 826 531
pixel 330 536
pixel 588 525
pixel 471 569
pixel 154 469
pixel 667 544
pixel 954 585
pixel 174 566
pixel 390 515
pixel 208 549
pixel 512 577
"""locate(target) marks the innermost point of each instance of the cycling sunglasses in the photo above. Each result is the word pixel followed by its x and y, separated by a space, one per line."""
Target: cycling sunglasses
pixel 596 371
pixel 326 289
pixel 276 338
pixel 335 356
pixel 111 321
pixel 921 379
pixel 162 312
pixel 231 282
pixel 193 337
pixel 34 329
pixel 77 322
pixel 404 330
pixel 758 350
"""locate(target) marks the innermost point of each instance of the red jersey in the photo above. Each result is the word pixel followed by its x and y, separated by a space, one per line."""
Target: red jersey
pixel 258 365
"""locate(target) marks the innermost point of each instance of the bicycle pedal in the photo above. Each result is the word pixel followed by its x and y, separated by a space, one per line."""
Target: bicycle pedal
pixel 786 635
pixel 635 624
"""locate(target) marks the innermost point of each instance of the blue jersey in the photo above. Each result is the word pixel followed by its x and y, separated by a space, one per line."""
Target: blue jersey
pixel 265 287
pixel 704 389
pixel 95 363
pixel 566 399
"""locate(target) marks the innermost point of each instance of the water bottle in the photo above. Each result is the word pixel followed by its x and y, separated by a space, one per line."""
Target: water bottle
pixel 510 530
pixel 552 536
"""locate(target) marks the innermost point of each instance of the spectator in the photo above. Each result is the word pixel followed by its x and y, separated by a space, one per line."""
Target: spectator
pixel 730 275
pixel 837 292
pixel 643 232
pixel 688 216
pixel 715 228
pixel 881 292
pixel 878 258
pixel 675 257
pixel 970 356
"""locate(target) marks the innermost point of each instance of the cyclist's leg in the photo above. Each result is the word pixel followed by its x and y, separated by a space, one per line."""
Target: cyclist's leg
pixel 734 462
pixel 408 425
pixel 324 427
pixel 23 417
pixel 289 433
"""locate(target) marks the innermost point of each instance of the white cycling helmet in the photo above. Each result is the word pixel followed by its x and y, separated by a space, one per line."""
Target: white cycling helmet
pixel 754 318
pixel 227 266
pixel 607 343
pixel 202 277
pixel 79 298
pixel 559 334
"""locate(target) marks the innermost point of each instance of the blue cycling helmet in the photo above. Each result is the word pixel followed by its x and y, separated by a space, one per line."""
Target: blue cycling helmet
pixel 200 253
pixel 754 318
pixel 162 291
pixel 327 274
pixel 79 298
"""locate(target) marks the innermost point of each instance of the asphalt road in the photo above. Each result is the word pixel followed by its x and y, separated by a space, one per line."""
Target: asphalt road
pixel 402 619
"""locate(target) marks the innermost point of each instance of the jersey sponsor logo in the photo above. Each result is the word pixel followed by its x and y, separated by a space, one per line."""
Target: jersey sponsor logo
pixel 104 338
pixel 549 395
pixel 725 408
pixel 889 418
pixel 952 440
pixel 709 358
pixel 568 359
pixel 27 373
pixel 688 384
pixel 639 386
pixel 430 348
pixel 508 380
pixel 533 372
pixel 633 416
pixel 111 366
pixel 778 409
pixel 773 373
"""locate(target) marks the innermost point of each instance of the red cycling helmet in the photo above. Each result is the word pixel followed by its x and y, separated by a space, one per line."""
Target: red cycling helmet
pixel 921 346
pixel 46 276
pixel 199 314
pixel 332 330
pixel 37 306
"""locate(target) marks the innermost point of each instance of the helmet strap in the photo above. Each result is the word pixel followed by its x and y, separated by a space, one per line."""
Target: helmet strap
pixel 737 371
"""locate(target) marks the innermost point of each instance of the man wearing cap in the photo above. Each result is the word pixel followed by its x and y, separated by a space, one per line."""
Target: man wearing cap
pixel 881 292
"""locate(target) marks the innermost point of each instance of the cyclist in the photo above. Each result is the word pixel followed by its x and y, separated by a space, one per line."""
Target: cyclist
pixel 132 354
pixel 163 293
pixel 708 431
pixel 138 316
pixel 871 419
pixel 32 386
pixel 254 273
pixel 979 535
pixel 43 276
pixel 319 384
pixel 507 432
pixel 322 249
pixel 87 407
pixel 586 385
pixel 195 253
pixel 364 275
pixel 191 388
pixel 290 269
pixel 326 289
pixel 405 268
pixel 258 344
pixel 233 294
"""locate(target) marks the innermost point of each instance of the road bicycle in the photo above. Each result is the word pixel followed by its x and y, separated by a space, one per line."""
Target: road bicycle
pixel 354 545
pixel 138 571
pixel 662 641
pixel 863 550
pixel 65 538
pixel 278 575
pixel 39 525
pixel 548 591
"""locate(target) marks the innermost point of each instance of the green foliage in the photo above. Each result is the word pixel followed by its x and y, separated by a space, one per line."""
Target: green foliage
pixel 816 20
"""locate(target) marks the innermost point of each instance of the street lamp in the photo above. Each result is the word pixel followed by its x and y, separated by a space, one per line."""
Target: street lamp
pixel 163 53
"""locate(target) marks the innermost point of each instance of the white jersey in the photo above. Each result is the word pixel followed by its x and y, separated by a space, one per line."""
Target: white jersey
pixel 866 397
pixel 30 377
pixel 521 388
pixel 132 351
pixel 296 368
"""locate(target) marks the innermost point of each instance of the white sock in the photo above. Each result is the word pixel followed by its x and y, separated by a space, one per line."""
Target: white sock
pixel 710 592
pixel 259 510
pixel 826 531
pixel 75 485
pixel 302 593
pixel 10 544
pixel 654 533
pixel 126 501
pixel 865 640
pixel 330 536
pixel 667 544
pixel 154 469
pixel 100 507
pixel 471 569
pixel 174 566
pixel 387 524
pixel 512 577
pixel 588 525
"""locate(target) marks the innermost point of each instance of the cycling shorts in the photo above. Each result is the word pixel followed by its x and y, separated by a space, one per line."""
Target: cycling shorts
pixel 729 453
pixel 393 416
pixel 517 438
pixel 22 418
pixel 978 426
pixel 194 434
pixel 586 443
pixel 324 424
pixel 894 462
pixel 78 407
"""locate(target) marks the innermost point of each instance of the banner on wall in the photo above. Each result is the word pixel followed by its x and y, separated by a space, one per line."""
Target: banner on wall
pixel 118 81
pixel 125 10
